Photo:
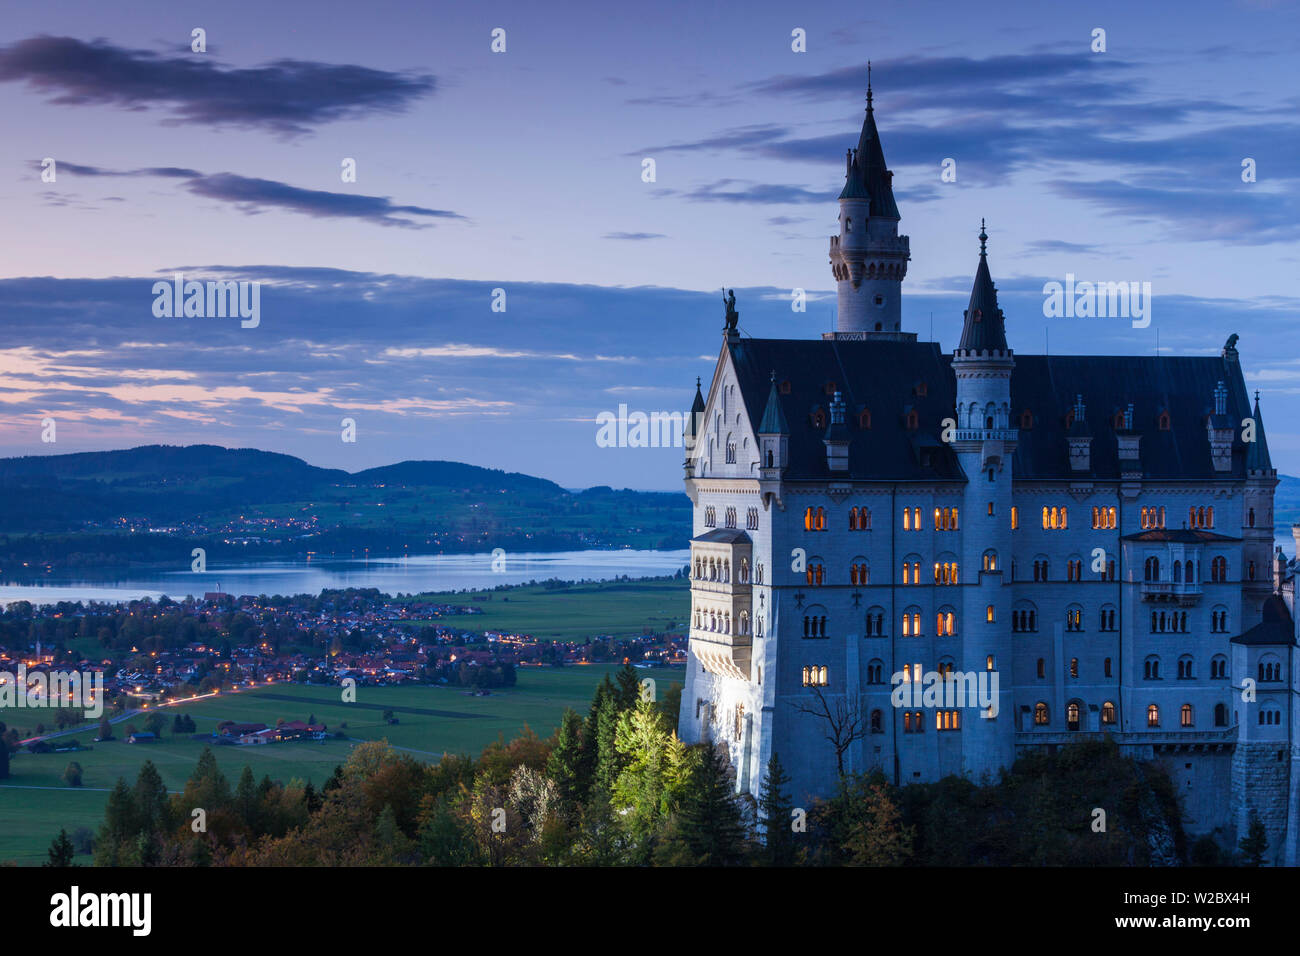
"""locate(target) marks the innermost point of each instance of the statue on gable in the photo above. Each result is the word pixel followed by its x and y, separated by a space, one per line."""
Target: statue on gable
pixel 733 317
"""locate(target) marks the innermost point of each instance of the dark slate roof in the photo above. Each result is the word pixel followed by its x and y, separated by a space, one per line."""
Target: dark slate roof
pixel 697 409
pixel 983 326
pixel 1046 385
pixel 1179 536
pixel 854 188
pixel 723 536
pixel 1277 627
pixel 1257 458
pixel 879 376
pixel 773 418
pixel 875 177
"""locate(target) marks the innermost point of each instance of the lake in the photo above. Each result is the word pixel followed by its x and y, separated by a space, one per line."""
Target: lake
pixel 413 574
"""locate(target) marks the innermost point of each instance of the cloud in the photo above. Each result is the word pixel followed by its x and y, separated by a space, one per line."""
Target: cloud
pixel 289 97
pixel 740 191
pixel 1060 245
pixel 253 196
pixel 636 236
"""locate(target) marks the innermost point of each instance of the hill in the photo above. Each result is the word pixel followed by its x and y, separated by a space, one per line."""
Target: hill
pixel 153 503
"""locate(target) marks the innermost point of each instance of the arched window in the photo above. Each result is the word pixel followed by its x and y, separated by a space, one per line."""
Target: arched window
pixel 945 622
pixel 1040 714
pixel 990 560
pixel 912 622
pixel 877 722
pixel 859 573
pixel 1151 668
pixel 1218 667
pixel 1185 667
pixel 1220 715
pixel 1153 716
pixel 1074 618
pixel 875 622
pixel 1108 712
pixel 1219 570
pixel 875 672
pixel 1105 667
pixel 1072 716
pixel 1042 668
pixel 1185 716
pixel 1106 618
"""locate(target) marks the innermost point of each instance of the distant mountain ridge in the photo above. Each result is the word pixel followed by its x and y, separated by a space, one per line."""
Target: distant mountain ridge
pixel 130 505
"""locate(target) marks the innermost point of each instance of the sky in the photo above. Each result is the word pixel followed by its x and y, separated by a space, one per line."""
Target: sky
pixel 523 170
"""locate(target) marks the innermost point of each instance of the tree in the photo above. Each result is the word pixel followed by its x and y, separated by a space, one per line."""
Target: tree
pixel 4 759
pixel 1255 843
pixel 564 766
pixel 627 688
pixel 152 805
pixel 775 808
pixel 155 723
pixel 877 837
pixel 654 773
pixel 709 829
pixel 105 729
pixel 61 851
pixel 844 721
pixel 72 775
pixel 608 760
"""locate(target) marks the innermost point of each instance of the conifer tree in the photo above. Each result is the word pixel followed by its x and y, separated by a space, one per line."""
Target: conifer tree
pixel 1255 843
pixel 709 829
pixel 565 766
pixel 775 808
pixel 61 851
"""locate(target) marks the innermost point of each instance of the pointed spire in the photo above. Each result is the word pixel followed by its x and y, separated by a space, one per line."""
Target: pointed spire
pixel 1257 457
pixel 873 176
pixel 983 328
pixel 696 417
pixel 773 418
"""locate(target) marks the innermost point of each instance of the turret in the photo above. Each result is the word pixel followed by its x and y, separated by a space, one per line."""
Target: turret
pixel 869 257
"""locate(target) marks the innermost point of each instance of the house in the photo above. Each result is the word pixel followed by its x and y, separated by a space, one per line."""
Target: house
pixel 142 738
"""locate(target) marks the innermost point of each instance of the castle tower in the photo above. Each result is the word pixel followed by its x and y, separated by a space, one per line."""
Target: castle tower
pixel 984 444
pixel 1257 521
pixel 869 257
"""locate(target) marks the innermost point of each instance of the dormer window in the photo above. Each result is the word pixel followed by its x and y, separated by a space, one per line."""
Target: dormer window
pixel 1026 419
pixel 831 388
pixel 1164 421
pixel 864 418
pixel 1118 422
pixel 1069 419
pixel 920 389
pixel 785 387
pixel 819 418
pixel 913 420
pixel 848 223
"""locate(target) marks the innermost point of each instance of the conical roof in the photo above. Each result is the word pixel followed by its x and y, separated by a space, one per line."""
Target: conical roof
pixel 983 327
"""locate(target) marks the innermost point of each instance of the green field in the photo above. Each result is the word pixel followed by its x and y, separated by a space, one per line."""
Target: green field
pixel 608 609
pixel 34 802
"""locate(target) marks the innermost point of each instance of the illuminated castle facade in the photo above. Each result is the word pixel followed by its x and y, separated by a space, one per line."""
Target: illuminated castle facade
pixel 1097 531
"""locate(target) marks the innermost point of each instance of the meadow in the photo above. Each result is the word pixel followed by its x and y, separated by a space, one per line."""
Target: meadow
pixel 576 612
pixel 35 802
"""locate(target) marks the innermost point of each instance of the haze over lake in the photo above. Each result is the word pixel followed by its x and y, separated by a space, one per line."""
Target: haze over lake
pixel 417 573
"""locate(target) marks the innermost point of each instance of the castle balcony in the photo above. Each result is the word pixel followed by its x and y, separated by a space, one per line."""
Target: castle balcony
pixel 722 588
pixel 727 655
pixel 1183 593
pixel 1212 737
pixel 986 434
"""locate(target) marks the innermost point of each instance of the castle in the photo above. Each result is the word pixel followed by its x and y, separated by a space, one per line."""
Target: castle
pixel 1094 533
